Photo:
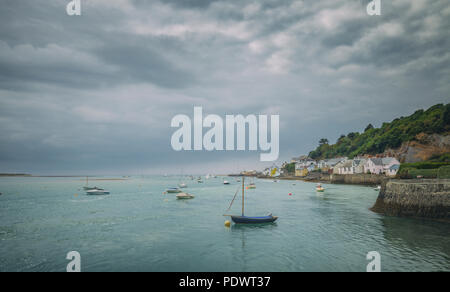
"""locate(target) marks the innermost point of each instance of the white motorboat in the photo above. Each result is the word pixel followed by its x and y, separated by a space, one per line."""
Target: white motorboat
pixel 225 182
pixel 184 196
pixel 182 185
pixel 97 192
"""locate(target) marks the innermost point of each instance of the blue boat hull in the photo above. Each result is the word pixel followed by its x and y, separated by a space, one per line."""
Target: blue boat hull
pixel 253 220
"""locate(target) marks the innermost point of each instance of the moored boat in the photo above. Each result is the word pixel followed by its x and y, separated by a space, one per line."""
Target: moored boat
pixel 253 220
pixel 97 192
pixel 173 190
pixel 242 219
pixel 87 187
pixel 319 188
pixel 184 196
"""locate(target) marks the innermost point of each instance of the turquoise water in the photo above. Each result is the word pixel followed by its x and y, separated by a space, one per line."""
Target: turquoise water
pixel 138 228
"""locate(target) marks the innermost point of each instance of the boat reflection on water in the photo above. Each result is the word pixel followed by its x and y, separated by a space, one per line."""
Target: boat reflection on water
pixel 256 226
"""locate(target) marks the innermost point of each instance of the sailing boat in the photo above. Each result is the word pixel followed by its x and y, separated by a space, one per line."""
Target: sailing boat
pixel 87 187
pixel 250 220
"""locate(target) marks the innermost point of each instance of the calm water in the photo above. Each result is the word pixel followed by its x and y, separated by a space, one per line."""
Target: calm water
pixel 138 228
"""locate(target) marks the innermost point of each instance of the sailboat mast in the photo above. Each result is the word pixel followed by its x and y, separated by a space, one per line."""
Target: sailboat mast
pixel 243 178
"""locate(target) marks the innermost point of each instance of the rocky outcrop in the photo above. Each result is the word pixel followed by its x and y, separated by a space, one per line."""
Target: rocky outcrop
pixel 421 148
pixel 415 198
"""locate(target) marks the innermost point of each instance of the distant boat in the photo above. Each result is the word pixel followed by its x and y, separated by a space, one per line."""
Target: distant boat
pixel 173 190
pixel 87 187
pixel 225 182
pixel 246 219
pixel 185 196
pixel 319 188
pixel 97 192
pixel 251 186
pixel 182 185
pixel 199 180
pixel 377 188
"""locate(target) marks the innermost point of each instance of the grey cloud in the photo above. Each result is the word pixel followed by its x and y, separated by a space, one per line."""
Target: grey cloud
pixel 100 89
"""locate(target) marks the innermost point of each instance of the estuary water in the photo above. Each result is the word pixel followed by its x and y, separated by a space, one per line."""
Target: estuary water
pixel 138 228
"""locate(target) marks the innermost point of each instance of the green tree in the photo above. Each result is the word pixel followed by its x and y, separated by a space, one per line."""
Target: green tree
pixel 323 141
pixel 373 140
pixel 369 127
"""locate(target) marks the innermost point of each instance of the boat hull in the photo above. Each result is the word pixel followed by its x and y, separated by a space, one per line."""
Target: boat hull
pixel 253 220
pixel 99 193
pixel 184 197
pixel 89 188
pixel 173 191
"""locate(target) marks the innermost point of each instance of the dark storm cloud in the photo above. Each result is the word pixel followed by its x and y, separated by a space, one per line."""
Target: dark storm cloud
pixel 71 53
pixel 97 92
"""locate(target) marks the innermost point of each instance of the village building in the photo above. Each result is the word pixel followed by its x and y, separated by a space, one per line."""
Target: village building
pixel 344 167
pixel 392 170
pixel 374 166
pixel 358 165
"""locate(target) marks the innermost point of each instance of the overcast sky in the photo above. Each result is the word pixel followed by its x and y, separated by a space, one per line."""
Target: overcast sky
pixel 95 94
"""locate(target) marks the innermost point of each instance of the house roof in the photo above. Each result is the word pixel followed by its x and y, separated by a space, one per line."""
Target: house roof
pixel 394 167
pixel 348 163
pixel 388 160
pixel 334 161
pixel 377 161
pixel 357 162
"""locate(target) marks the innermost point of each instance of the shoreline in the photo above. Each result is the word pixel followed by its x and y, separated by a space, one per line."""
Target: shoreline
pixel 346 179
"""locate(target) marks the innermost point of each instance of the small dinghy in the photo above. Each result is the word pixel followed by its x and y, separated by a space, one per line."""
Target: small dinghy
pixel 173 191
pixel 97 192
pixel 184 196
pixel 182 185
pixel 319 188
pixel 377 188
